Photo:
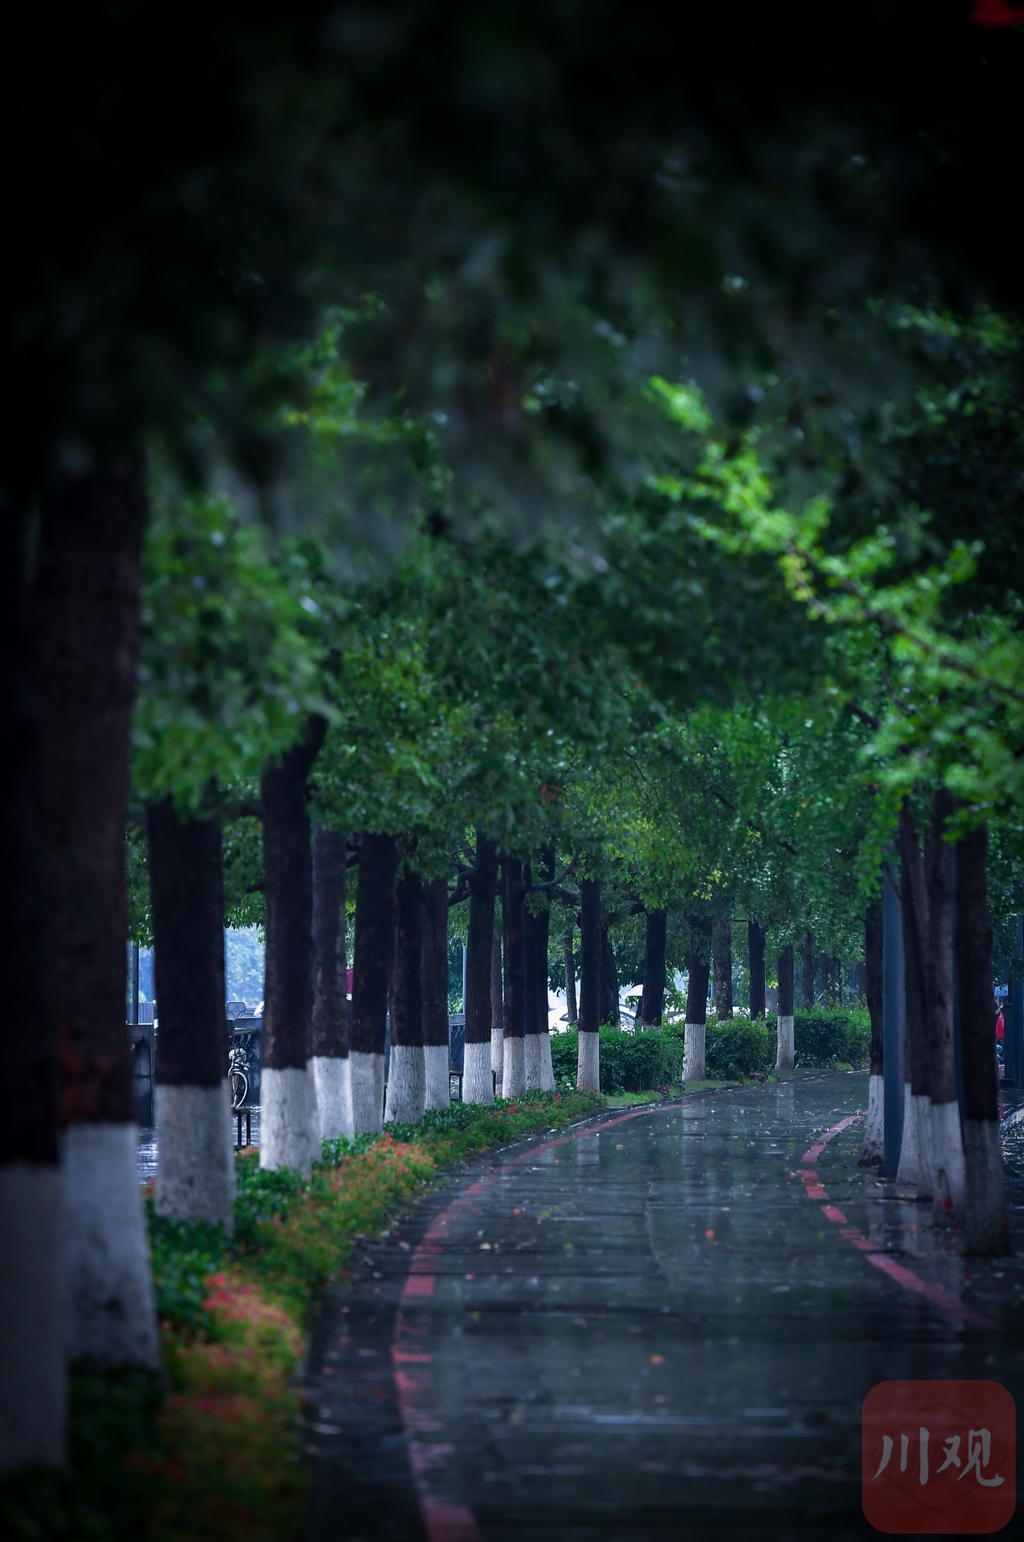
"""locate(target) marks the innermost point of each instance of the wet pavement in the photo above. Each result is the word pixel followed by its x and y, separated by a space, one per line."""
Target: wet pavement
pixel 661 1323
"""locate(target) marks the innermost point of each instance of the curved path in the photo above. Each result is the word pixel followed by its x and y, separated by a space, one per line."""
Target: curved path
pixel 659 1324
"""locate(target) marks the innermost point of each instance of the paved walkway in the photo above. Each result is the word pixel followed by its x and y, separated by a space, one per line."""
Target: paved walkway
pixel 661 1324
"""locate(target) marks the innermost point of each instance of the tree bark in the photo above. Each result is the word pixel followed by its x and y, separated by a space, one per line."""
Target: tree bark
pixel 371 977
pixel 289 1120
pixel 915 1152
pixel 435 995
pixel 785 1035
pixel 695 1026
pixel 947 1152
pixel 513 947
pixel 497 1019
pixel 546 1080
pixel 87 614
pixel 477 1081
pixel 609 982
pixel 807 973
pixel 588 1064
pixel 32 1298
pixel 332 1073
pixel 196 1163
pixel 571 1009
pixel 985 1218
pixel 755 953
pixel 652 1002
pixel 874 1134
pixel 405 1091
pixel 532 942
pixel 722 949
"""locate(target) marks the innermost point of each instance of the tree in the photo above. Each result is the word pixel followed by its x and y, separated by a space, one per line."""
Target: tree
pixel 331 1025
pixel 289 1118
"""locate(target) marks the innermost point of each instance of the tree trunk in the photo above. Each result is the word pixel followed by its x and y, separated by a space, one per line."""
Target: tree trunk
pixel 405 1092
pixel 477 1081
pixel 609 982
pixel 532 927
pixel 497 1019
pixel 512 892
pixel 722 949
pixel 588 1061
pixel 947 1151
pixel 543 941
pixel 32 1297
pixel 807 973
pixel 695 1026
pixel 371 977
pixel 755 952
pixel 915 1166
pixel 571 1009
pixel 985 1219
pixel 652 1002
pixel 88 599
pixel 332 1073
pixel 874 1134
pixel 195 1156
pixel 785 1054
pixel 289 1120
pixel 436 1092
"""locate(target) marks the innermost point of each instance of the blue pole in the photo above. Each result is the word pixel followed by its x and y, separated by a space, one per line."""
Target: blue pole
pixel 892 1019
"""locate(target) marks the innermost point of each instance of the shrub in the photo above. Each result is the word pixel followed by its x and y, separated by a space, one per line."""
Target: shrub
pixel 825 1039
pixel 630 1062
pixel 736 1047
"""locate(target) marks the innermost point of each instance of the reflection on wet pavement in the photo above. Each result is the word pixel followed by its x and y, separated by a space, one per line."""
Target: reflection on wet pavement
pixel 644 1329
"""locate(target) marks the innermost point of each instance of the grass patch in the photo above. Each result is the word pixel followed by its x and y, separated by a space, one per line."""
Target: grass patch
pixel 208 1452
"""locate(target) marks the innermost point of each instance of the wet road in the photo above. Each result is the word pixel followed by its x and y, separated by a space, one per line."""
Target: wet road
pixel 660 1324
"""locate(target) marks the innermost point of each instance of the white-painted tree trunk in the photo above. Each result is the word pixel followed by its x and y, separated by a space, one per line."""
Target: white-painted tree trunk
pixel 477 1082
pixel 531 1061
pixel 514 1073
pixel 195 1175
pixel 332 1075
pixel 111 1311
pixel 286 1108
pixel 694 1042
pixel 547 1074
pixel 874 1130
pixel 405 1092
pixel 33 1383
pixel 436 1086
pixel 915 1167
pixel 588 1063
pixel 498 1058
pixel 785 1058
pixel 949 1174
pixel 985 1206
pixel 316 1147
pixel 367 1092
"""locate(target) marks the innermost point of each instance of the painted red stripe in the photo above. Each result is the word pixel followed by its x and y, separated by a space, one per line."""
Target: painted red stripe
pixel 897 1272
pixel 831 1213
pixel 932 1293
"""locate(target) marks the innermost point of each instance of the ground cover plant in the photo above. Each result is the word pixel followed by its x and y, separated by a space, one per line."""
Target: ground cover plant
pixel 208 1451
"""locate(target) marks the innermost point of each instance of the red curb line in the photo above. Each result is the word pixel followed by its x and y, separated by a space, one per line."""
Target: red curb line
pixel 934 1294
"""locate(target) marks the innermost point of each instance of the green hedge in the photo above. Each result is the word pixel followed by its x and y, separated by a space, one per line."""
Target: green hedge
pixel 825 1039
pixel 630 1062
pixel 736 1047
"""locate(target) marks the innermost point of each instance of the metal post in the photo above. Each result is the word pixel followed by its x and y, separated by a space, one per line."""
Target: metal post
pixel 892 1019
pixel 135 985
